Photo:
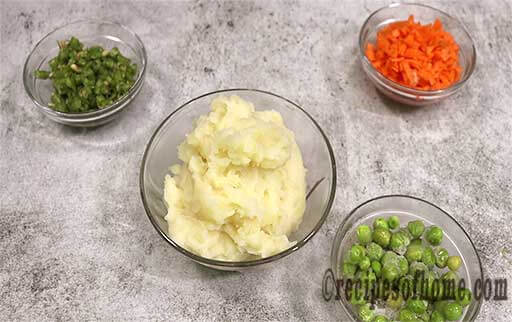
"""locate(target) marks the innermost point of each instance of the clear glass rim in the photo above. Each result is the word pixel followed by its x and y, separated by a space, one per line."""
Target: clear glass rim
pixel 110 109
pixel 228 264
pixel 335 246
pixel 394 86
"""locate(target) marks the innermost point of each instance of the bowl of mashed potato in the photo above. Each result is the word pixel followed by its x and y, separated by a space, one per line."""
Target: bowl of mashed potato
pixel 237 179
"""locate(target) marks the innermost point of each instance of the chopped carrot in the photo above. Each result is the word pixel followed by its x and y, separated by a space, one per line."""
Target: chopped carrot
pixel 420 56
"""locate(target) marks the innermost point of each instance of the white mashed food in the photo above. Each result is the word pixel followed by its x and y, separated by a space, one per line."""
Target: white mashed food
pixel 241 189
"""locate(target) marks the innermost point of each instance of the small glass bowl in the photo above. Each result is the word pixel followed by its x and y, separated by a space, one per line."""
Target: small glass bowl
pixel 89 32
pixel 161 152
pixel 424 14
pixel 408 208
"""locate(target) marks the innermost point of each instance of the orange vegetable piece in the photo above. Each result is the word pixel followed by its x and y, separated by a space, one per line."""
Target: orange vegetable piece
pixel 424 57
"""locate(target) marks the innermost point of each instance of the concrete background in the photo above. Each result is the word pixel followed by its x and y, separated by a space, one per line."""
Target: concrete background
pixel 75 243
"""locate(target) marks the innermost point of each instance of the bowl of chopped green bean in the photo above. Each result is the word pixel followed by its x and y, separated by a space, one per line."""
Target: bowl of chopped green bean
pixel 401 258
pixel 86 72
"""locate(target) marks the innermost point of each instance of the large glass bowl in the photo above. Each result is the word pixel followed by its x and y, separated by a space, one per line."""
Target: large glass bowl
pixel 407 208
pixel 89 32
pixel 161 153
pixel 424 14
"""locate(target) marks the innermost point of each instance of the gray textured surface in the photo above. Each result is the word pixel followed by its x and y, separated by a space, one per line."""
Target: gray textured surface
pixel 75 242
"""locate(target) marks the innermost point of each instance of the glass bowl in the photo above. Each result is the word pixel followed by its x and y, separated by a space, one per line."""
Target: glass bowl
pixel 89 32
pixel 161 153
pixel 423 14
pixel 408 208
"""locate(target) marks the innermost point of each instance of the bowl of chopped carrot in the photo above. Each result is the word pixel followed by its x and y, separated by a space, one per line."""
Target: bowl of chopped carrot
pixel 416 54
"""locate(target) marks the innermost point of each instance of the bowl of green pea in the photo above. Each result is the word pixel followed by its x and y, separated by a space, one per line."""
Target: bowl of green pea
pixel 401 258
pixel 85 73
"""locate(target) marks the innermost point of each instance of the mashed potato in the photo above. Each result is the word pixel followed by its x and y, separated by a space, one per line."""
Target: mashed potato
pixel 241 188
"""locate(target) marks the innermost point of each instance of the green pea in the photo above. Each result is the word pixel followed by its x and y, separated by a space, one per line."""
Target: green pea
pixel 399 242
pixel 403 265
pixel 450 275
pixel 441 256
pixel 389 258
pixel 417 306
pixel 374 251
pixel 364 263
pixel 434 235
pixel 452 311
pixel 381 236
pixel 380 223
pixel 414 253
pixel 368 280
pixel 364 234
pixel 390 272
pixel 454 262
pixel 376 267
pixel 406 315
pixel 425 316
pixel 416 228
pixel 439 305
pixel 437 290
pixel 436 316
pixel 417 268
pixel 406 286
pixel 395 300
pixel 357 252
pixel 380 318
pixel 416 241
pixel 428 257
pixel 357 298
pixel 449 281
pixel 393 222
pixel 463 297
pixel 365 313
pixel 349 270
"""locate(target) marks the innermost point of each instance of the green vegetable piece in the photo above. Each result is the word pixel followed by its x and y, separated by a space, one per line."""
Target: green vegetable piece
pixel 399 242
pixel 364 263
pixel 380 223
pixel 380 318
pixel 452 311
pixel 416 228
pixel 428 257
pixel 417 268
pixel 364 234
pixel 441 256
pixel 377 268
pixel 406 286
pixel 381 236
pixel 436 316
pixel 389 258
pixel 390 272
pixel 42 74
pixel 434 235
pixel 403 265
pixel 393 222
pixel 395 300
pixel 417 306
pixel 365 313
pixel 454 263
pixel 357 298
pixel 349 270
pixel 463 296
pixel 357 253
pixel 414 253
pixel 406 315
pixel 416 241
pixel 450 275
pixel 374 251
